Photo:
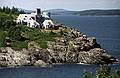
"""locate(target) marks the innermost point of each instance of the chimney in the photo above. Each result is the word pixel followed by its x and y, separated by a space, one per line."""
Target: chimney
pixel 49 14
pixel 38 11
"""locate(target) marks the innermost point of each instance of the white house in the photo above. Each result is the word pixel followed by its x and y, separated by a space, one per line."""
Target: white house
pixel 36 20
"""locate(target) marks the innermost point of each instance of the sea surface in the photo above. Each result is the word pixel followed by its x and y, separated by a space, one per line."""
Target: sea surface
pixel 106 29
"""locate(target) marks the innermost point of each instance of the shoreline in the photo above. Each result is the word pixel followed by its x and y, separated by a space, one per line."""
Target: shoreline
pixel 81 64
pixel 90 15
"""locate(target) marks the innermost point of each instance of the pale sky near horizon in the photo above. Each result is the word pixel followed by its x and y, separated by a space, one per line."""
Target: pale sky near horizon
pixel 62 4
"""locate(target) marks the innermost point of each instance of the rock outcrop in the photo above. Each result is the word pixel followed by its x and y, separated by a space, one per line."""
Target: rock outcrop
pixel 12 58
pixel 71 47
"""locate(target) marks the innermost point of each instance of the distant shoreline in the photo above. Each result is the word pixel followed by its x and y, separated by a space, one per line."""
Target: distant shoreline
pixel 86 15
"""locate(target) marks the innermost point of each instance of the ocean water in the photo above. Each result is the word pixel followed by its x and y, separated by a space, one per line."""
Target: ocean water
pixel 57 71
pixel 106 29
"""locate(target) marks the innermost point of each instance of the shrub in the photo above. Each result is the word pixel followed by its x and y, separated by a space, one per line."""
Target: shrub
pixel 2 38
pixel 87 74
pixel 103 72
pixel 18 45
pixel 14 33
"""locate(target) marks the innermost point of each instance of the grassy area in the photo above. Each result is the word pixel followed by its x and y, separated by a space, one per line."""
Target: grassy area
pixel 21 35
pixel 18 45
pixel 2 38
pixel 39 36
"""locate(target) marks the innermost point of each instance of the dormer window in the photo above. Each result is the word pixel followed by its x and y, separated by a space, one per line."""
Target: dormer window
pixel 24 19
pixel 29 18
pixel 33 18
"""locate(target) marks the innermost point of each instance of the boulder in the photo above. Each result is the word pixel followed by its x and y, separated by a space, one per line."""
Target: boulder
pixel 95 56
pixel 12 58
pixel 40 63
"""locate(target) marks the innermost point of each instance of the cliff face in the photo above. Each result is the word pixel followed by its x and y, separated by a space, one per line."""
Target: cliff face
pixel 71 47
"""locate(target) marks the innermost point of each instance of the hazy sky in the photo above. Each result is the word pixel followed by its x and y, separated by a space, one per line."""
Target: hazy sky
pixel 63 4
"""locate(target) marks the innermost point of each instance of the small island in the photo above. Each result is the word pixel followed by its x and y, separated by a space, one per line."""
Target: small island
pixel 39 41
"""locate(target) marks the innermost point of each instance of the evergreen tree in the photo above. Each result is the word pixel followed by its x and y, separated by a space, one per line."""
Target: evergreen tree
pixel 14 10
pixel 22 12
pixel 0 9
pixel 3 9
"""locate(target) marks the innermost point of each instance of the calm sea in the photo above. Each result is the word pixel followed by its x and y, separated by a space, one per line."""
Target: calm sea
pixel 106 29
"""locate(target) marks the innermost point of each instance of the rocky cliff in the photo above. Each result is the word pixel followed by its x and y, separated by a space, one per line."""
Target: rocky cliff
pixel 71 47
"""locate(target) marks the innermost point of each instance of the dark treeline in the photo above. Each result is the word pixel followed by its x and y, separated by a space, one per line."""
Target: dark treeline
pixel 8 16
pixel 12 10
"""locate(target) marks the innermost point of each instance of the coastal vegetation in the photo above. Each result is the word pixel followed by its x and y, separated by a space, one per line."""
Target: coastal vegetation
pixel 20 35
pixel 104 71
pixel 13 10
pixel 8 27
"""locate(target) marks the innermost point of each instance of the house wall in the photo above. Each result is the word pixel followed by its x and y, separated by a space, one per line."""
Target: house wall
pixel 36 22
pixel 48 23
pixel 27 19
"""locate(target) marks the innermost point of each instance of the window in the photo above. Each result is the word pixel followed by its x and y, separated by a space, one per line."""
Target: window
pixel 29 18
pixel 24 19
pixel 33 18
